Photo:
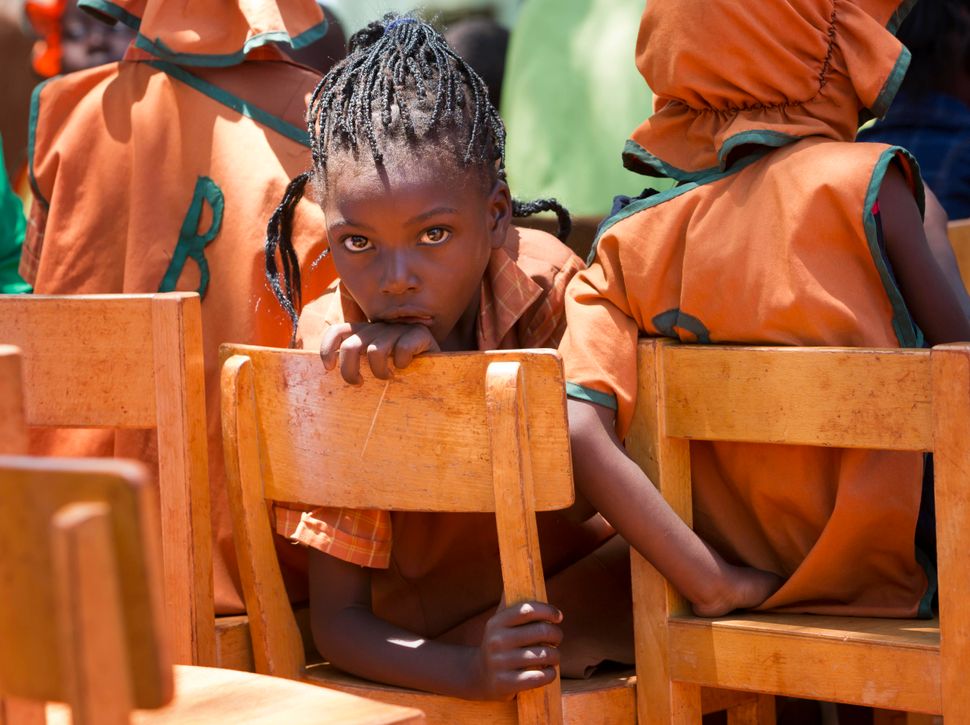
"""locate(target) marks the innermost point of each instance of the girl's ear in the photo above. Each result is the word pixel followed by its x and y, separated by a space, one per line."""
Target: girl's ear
pixel 499 213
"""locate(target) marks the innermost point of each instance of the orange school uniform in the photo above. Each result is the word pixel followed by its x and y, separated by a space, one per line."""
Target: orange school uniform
pixel 160 172
pixel 770 238
pixel 438 575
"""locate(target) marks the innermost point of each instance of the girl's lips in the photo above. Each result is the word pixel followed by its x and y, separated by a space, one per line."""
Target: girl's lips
pixel 408 319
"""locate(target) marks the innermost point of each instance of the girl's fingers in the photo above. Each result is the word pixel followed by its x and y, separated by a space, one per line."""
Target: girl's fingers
pixel 415 340
pixel 353 347
pixel 534 634
pixel 331 341
pixel 515 681
pixel 531 658
pixel 527 612
pixel 380 349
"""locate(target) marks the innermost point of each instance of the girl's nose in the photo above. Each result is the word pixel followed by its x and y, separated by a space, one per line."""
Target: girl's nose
pixel 399 277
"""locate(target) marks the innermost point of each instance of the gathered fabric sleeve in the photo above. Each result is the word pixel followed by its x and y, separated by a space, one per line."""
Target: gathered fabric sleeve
pixel 599 348
pixel 357 536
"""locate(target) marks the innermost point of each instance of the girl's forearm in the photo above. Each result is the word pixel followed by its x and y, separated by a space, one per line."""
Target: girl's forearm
pixel 355 640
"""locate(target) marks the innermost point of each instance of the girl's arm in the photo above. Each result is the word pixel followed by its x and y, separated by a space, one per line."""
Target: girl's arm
pixel 352 638
pixel 619 490
pixel 937 306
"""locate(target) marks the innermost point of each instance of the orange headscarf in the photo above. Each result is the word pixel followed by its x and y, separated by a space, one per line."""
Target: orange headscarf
pixel 732 73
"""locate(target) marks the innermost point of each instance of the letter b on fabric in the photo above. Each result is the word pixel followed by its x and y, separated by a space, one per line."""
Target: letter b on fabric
pixel 191 243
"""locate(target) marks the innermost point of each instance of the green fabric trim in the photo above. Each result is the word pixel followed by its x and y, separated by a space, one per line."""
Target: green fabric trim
pixel 589 395
pixel 639 160
pixel 32 140
pixel 907 333
pixel 900 15
pixel 105 7
pixel 655 199
pixel 163 52
pixel 191 244
pixel 925 610
pixel 234 102
pixel 891 87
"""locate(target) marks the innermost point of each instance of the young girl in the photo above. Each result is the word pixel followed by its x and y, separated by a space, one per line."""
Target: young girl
pixel 781 231
pixel 408 167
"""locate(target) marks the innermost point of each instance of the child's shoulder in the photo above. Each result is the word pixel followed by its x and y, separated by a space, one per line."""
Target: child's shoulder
pixel 540 254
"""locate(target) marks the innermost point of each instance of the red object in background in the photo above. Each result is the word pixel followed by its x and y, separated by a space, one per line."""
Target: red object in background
pixel 45 17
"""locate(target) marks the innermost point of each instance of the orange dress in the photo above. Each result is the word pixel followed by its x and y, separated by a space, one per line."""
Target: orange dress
pixel 769 238
pixel 150 175
pixel 438 575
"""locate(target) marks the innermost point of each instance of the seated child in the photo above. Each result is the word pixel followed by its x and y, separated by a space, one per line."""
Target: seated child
pixel 781 232
pixel 409 170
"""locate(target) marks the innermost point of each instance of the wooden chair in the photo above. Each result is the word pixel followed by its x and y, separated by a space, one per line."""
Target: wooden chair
pixel 959 233
pixel 580 238
pixel 13 426
pixel 130 362
pixel 890 399
pixel 501 428
pixel 79 546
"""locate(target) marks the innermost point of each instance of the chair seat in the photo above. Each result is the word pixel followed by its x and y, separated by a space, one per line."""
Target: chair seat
pixel 796 654
pixel 601 699
pixel 211 695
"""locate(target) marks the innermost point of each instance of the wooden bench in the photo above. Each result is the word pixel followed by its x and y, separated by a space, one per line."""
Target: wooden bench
pixel 915 400
pixel 79 546
pixel 133 362
pixel 959 233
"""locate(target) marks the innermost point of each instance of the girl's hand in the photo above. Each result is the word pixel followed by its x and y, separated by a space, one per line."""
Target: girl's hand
pixel 519 651
pixel 380 341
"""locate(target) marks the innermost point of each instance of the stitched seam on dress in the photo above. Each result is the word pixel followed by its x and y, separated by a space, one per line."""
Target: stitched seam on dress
pixel 822 80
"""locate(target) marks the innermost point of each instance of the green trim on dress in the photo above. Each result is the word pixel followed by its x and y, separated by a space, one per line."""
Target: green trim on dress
pixel 891 86
pixel 907 333
pixel 208 60
pixel 112 11
pixel 236 103
pixel 581 392
pixel 32 140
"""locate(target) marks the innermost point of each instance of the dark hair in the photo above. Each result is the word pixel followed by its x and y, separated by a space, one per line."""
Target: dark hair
pixel 937 33
pixel 401 71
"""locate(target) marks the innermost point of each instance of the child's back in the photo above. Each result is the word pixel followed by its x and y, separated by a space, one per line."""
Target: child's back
pixel 156 174
pixel 773 237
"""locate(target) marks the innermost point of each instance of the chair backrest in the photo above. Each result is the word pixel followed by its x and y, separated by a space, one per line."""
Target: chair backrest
pixel 81 614
pixel 915 400
pixel 13 426
pixel 458 432
pixel 133 362
pixel 959 233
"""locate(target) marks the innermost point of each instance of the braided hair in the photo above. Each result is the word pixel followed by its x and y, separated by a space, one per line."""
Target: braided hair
pixel 400 83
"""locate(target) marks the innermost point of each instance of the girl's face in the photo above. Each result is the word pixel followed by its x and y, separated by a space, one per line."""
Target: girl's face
pixel 411 243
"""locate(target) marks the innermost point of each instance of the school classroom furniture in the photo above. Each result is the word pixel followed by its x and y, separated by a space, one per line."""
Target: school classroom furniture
pixel 915 400
pixel 959 233
pixel 79 548
pixel 133 362
pixel 13 426
pixel 295 433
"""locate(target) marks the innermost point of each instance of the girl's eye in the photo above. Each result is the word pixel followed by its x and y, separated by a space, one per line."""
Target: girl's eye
pixel 435 235
pixel 357 243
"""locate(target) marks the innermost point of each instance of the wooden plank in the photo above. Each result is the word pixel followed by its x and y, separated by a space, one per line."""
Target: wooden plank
pixel 840 397
pixel 13 425
pixel 234 646
pixel 659 698
pixel 277 644
pixel 211 696
pixel 76 372
pixel 90 619
pixel 958 232
pixel 183 463
pixel 518 536
pixel 951 470
pixel 864 673
pixel 364 431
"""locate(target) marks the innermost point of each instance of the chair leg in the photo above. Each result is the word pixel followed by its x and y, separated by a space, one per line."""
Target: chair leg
pixel 760 711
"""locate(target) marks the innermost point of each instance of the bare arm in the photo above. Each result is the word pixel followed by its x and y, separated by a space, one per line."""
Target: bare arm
pixel 619 490
pixel 519 649
pixel 930 283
